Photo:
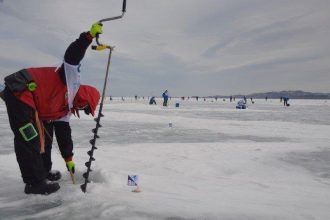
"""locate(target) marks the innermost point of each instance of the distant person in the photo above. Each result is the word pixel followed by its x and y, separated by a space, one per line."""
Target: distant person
pixel 241 104
pixel 244 99
pixel 165 98
pixel 231 98
pixel 281 98
pixel 266 98
pixel 152 101
pixel 285 101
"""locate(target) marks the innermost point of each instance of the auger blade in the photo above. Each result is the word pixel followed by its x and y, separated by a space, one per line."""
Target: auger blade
pixel 92 141
pixel 83 187
pixel 88 164
pixel 85 175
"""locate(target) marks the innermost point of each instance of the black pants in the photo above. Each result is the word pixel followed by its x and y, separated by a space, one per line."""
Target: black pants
pixel 27 152
pixel 63 136
pixel 47 156
pixel 165 102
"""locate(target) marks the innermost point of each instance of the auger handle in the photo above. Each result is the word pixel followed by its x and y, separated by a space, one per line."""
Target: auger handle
pixel 116 17
pixel 100 47
pixel 108 19
pixel 97 42
pixel 72 177
pixel 124 6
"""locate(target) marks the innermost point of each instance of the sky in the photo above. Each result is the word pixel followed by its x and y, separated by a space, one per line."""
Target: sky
pixel 189 47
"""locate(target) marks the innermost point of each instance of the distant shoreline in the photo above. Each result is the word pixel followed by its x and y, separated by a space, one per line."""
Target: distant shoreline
pixel 277 95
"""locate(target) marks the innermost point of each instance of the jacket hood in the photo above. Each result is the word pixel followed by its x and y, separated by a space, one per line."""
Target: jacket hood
pixel 86 95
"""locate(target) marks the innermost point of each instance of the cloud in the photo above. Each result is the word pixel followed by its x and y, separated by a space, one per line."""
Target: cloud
pixel 187 46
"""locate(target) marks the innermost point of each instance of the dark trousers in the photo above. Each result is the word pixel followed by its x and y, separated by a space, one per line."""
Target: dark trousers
pixel 62 132
pixel 27 152
pixel 47 155
pixel 165 102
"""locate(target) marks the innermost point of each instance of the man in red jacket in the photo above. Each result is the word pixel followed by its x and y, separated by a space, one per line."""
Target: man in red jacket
pixel 43 98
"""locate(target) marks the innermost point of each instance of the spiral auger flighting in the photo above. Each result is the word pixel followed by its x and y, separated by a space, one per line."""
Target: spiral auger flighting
pixel 99 47
pixel 97 126
pixel 91 151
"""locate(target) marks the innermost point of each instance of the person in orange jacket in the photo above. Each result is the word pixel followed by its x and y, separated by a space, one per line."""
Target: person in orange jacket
pixel 41 99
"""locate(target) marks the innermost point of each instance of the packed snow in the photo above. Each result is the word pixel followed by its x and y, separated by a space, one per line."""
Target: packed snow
pixel 201 160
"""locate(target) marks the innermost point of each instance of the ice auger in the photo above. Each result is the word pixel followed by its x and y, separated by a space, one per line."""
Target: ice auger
pixel 99 47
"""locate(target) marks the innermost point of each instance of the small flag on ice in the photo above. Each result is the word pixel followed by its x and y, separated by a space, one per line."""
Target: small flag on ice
pixel 133 180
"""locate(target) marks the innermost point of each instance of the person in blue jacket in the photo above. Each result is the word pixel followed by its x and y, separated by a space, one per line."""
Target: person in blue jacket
pixel 165 97
pixel 285 101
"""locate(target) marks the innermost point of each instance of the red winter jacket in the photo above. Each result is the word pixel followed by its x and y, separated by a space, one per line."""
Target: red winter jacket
pixel 50 97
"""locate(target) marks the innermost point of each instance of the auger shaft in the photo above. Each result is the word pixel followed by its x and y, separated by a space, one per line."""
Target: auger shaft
pixel 99 47
pixel 95 130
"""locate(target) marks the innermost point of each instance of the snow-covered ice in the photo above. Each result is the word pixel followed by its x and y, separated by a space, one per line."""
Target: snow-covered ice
pixel 214 162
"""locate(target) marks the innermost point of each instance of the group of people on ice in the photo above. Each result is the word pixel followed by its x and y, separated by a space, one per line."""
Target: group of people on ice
pixel 241 104
pixel 165 96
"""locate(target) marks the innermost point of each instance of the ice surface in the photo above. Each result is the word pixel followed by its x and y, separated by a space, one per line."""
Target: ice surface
pixel 214 162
